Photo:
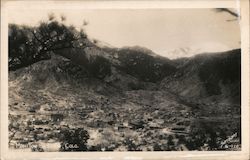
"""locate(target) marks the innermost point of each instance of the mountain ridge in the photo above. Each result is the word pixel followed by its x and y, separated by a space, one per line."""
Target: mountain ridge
pixel 142 115
pixel 145 67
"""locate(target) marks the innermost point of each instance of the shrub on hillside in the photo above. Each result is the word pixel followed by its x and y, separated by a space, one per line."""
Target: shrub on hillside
pixel 74 139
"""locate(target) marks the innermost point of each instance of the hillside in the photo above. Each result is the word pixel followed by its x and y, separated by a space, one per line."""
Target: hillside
pixel 204 76
pixel 146 102
pixel 57 86
pixel 136 61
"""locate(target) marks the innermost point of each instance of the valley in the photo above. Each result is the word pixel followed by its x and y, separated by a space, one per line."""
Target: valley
pixel 49 97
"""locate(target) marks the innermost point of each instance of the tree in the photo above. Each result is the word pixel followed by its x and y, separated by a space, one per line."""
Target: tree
pixel 74 139
pixel 28 45
pixel 22 47
pixel 53 35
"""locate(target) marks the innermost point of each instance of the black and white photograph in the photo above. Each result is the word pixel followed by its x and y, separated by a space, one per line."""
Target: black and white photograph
pixel 122 80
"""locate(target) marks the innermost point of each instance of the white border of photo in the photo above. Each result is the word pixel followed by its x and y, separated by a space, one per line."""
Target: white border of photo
pixel 240 5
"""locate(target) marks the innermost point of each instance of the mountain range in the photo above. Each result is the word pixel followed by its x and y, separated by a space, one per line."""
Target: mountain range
pixel 149 94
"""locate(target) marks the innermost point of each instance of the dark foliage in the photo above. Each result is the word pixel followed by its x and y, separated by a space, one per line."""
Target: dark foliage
pixel 130 144
pixel 157 147
pixel 200 135
pixel 23 49
pixel 74 139
pixel 28 45
pixel 95 148
pixel 209 135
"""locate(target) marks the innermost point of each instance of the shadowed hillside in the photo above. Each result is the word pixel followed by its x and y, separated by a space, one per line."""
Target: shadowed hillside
pixel 208 75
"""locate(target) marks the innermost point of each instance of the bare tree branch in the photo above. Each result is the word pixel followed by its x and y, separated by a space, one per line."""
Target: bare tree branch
pixel 227 11
pixel 36 37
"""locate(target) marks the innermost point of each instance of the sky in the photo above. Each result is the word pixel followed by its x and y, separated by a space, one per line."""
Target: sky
pixel 164 31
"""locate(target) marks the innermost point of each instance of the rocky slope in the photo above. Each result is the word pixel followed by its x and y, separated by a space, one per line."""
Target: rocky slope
pixel 146 102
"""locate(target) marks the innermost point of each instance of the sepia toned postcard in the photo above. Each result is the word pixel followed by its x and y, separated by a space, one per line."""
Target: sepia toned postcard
pixel 128 80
